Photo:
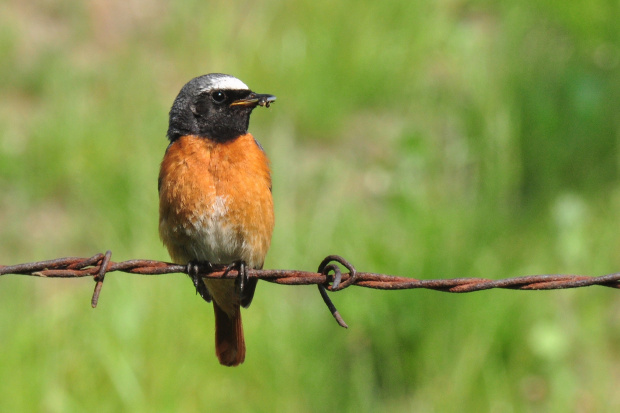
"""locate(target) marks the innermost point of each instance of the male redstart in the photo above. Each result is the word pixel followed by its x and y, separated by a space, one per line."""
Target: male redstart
pixel 215 202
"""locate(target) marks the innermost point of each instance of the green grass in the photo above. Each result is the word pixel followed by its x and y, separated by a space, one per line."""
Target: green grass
pixel 425 139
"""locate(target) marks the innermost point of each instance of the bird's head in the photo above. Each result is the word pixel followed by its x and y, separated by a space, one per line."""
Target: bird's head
pixel 214 106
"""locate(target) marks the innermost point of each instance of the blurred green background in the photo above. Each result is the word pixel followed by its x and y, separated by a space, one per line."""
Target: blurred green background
pixel 431 139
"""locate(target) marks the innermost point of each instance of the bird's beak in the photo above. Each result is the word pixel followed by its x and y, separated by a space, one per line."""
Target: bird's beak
pixel 255 99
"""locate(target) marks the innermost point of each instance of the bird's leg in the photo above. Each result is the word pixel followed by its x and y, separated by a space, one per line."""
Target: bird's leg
pixel 193 270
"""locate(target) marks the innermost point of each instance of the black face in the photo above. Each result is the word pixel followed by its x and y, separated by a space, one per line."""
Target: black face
pixel 220 114
pixel 217 119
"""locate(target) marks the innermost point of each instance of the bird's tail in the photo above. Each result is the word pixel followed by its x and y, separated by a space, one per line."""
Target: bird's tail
pixel 229 341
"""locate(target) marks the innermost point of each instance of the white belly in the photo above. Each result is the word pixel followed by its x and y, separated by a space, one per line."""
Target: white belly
pixel 208 235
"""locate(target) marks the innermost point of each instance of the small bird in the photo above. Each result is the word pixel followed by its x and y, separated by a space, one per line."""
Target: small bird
pixel 215 204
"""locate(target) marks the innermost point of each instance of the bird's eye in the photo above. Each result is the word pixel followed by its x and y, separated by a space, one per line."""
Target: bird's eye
pixel 218 96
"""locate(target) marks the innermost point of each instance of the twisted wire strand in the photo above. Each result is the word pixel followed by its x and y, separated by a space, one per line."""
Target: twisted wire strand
pixel 329 276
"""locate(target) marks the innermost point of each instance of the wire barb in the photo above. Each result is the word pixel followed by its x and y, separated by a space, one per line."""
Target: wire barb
pixel 325 268
pixel 100 277
pixel 332 307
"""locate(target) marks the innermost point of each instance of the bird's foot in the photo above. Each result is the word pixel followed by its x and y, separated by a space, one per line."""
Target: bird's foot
pixel 242 278
pixel 194 269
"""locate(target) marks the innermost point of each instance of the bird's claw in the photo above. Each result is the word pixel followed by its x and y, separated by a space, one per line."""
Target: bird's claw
pixel 242 278
pixel 194 270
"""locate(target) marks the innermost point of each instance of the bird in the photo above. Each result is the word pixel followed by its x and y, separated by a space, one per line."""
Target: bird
pixel 215 197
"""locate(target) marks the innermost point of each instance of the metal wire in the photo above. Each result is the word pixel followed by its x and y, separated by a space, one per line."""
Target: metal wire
pixel 73 267
pixel 329 276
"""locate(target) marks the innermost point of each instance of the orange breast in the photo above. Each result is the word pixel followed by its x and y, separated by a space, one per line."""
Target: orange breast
pixel 215 201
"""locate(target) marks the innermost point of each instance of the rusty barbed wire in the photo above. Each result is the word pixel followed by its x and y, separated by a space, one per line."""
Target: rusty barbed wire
pixel 329 276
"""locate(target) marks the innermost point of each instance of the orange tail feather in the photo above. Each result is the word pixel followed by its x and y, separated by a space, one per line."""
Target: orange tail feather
pixel 229 341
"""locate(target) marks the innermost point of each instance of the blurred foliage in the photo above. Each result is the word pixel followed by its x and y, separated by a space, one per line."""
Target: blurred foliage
pixel 426 139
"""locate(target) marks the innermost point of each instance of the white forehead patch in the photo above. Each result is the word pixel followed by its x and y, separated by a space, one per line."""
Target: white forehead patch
pixel 228 82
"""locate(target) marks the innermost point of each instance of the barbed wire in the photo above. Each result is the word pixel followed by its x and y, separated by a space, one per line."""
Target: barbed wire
pixel 329 276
